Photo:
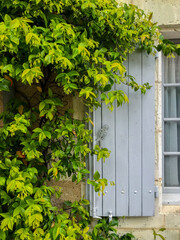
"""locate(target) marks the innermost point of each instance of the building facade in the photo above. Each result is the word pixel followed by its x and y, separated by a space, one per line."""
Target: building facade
pixel 167 201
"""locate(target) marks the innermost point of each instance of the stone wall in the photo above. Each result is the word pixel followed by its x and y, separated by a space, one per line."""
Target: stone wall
pixel 165 12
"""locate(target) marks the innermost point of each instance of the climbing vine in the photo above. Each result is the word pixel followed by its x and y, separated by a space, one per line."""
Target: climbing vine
pixel 51 51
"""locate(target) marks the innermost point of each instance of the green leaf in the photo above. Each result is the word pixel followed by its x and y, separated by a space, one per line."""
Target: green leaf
pixel 28 37
pixel 37 130
pixel 50 115
pixel 107 87
pixel 15 23
pixel 4 85
pixel 70 127
pixel 7 19
pixel 96 176
pixel 48 134
pixel 163 238
pixel 14 39
pixel 2 235
pixel 73 86
pixel 11 186
pixel 2 181
pixel 79 177
pixel 42 136
pixel 85 171
pixel 162 229
pixel 8 162
pixel 73 73
pixel 42 106
pixel 49 101
pixel 18 211
pixel 26 71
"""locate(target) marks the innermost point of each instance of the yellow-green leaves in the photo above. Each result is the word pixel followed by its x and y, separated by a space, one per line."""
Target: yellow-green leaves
pixel 144 36
pixel 7 223
pixel 15 23
pixel 87 93
pixel 117 66
pixel 102 153
pixel 88 4
pixel 48 107
pixel 102 79
pixel 31 74
pixel 2 181
pixel 35 40
pixel 19 124
pixel 98 183
pixel 55 57
pixel 41 134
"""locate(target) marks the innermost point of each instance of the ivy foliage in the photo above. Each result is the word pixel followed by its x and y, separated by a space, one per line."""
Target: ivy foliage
pixel 78 47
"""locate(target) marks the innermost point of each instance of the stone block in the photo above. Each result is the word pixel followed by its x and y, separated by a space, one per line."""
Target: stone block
pixel 172 221
pixel 139 234
pixel 143 234
pixel 142 222
pixel 171 234
pixel 70 192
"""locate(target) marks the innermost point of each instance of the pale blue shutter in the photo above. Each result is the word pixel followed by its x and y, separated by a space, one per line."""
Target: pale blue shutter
pixel 130 138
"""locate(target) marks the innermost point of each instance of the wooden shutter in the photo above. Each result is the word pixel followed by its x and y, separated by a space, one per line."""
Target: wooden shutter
pixel 130 138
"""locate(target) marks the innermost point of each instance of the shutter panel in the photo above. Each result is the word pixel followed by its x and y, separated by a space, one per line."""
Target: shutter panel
pixel 130 138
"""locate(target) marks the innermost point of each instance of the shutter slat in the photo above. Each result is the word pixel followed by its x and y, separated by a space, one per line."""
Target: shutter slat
pixel 89 188
pixel 108 118
pixel 148 137
pixel 122 155
pixel 98 165
pixel 135 138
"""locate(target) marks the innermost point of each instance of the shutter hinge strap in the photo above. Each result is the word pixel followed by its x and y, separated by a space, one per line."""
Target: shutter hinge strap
pixel 156 192
pixel 94 213
pixel 110 216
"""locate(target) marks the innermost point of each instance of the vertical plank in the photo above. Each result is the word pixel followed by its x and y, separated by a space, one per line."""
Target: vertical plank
pixel 148 136
pixel 108 118
pixel 89 164
pixel 97 165
pixel 121 138
pixel 135 138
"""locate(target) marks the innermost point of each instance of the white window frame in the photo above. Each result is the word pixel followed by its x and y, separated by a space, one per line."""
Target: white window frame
pixel 171 195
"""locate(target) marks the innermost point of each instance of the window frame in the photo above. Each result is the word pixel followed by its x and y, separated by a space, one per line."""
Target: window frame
pixel 170 195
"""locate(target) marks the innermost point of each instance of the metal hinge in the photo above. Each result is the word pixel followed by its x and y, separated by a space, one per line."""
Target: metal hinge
pixel 94 213
pixel 110 216
pixel 156 192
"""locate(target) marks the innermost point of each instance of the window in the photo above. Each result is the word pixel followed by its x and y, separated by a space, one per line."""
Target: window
pixel 171 124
